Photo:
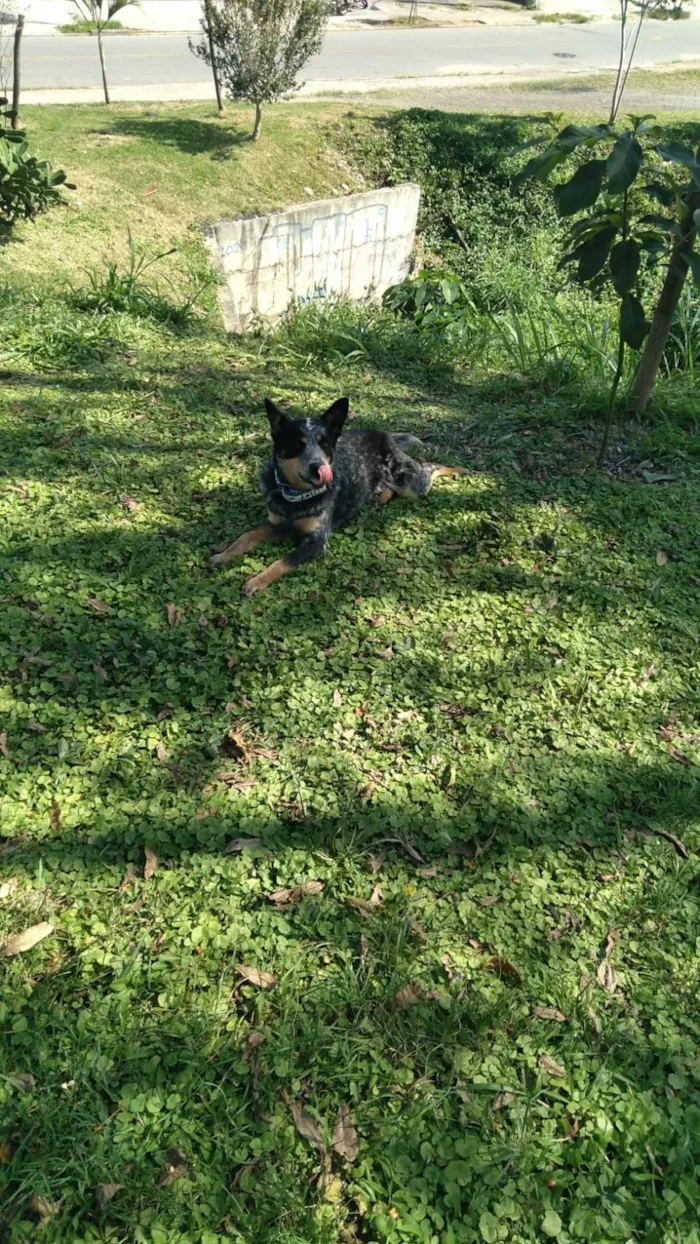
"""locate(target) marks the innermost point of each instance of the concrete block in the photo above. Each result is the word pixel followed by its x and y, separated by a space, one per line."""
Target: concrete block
pixel 356 246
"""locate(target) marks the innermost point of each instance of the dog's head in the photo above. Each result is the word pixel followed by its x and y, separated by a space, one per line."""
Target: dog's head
pixel 304 448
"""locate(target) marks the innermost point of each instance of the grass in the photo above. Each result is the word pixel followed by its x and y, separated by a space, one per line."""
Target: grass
pixel 484 705
pixel 677 78
pixel 86 27
pixel 578 19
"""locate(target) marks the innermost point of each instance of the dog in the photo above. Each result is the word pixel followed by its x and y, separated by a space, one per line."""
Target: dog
pixel 319 479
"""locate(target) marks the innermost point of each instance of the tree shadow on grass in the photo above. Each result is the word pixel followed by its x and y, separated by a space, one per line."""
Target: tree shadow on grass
pixel 190 136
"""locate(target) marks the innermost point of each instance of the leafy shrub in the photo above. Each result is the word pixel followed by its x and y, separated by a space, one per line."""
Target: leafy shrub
pixel 42 328
pixel 28 186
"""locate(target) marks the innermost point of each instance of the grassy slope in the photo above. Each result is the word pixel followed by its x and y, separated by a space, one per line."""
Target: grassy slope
pixel 506 666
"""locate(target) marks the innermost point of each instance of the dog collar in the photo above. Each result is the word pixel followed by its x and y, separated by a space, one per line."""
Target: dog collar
pixel 293 494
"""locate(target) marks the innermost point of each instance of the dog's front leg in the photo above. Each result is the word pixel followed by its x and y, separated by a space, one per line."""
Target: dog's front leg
pixel 246 543
pixel 309 549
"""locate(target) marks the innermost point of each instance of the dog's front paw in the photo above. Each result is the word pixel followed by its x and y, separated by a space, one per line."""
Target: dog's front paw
pixel 256 583
pixel 217 559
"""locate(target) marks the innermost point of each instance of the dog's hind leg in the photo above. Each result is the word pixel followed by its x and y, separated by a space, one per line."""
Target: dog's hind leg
pixel 446 470
pixel 415 479
pixel 245 544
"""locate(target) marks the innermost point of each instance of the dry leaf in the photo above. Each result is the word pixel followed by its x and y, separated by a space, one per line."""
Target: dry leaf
pixel 36 726
pixel 476 945
pixel 151 863
pixel 344 1139
pixel 161 751
pixel 100 606
pixel 606 976
pixel 287 897
pixel 676 843
pixel 8 888
pixel 173 614
pixel 235 746
pixel 554 935
pixel 129 503
pixel 175 1167
pixel 488 900
pixel 22 942
pixel 337 698
pixel 550 1012
pixel 5 1152
pixel 407 996
pixel 503 1100
pixel 364 950
pixel 101 671
pixel 367 907
pixel 407 847
pixel 594 1020
pixel 611 942
pixel 375 863
pixel 105 1192
pixel 54 815
pixel 551 1067
pixel 3 745
pixel 24 1082
pixel 45 1209
pixel 661 557
pixel 503 967
pixel 242 844
pixel 255 977
pixel 306 1125
pixel 428 872
pixel 242 1172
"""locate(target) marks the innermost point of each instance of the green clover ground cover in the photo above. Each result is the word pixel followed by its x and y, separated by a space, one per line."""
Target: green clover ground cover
pixel 474 726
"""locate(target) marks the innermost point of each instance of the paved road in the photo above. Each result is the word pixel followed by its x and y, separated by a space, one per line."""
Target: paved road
pixel 149 60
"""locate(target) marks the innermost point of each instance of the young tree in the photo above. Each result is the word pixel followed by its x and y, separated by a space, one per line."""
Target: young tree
pixel 259 46
pixel 99 12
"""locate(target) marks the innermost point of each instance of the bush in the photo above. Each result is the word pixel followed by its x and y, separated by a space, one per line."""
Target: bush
pixel 28 186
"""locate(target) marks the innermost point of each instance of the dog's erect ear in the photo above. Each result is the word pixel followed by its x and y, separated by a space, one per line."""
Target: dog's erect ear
pixel 276 416
pixel 336 415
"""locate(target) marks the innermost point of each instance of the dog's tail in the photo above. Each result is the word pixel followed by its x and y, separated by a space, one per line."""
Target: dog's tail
pixel 407 438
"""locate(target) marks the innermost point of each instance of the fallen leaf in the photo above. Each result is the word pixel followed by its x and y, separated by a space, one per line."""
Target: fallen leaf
pixel 151 863
pixel 375 863
pixel 428 872
pixel 594 1020
pixel 488 900
pixel 337 698
pixel 8 888
pixel 306 1125
pixel 344 1139
pixel 550 1012
pixel 287 897
pixel 5 1152
pixel 407 996
pixel 241 1173
pixel 235 746
pixel 173 614
pixel 27 940
pixel 54 815
pixel 554 935
pixel 552 1068
pixel 100 606
pixel 255 977
pixel 36 726
pixel 3 745
pixel 104 1193
pixel 503 967
pixel 476 945
pixel 407 847
pixel 175 1167
pixel 100 671
pixel 367 907
pixel 611 942
pixel 129 503
pixel 45 1209
pixel 661 557
pixel 679 756
pixel 676 843
pixel 24 1082
pixel 242 844
pixel 606 976
pixel 503 1100
pixel 161 750
pixel 364 950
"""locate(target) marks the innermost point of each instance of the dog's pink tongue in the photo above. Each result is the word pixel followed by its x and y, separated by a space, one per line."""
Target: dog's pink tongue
pixel 325 474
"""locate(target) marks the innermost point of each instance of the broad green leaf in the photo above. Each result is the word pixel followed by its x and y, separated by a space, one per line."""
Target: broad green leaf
pixel 678 153
pixel 539 166
pixel 633 325
pixel 551 1224
pixel 624 162
pixel 583 188
pixel 665 223
pixel 595 253
pixel 573 135
pixel 693 261
pixel 664 195
pixel 488 1226
pixel 696 218
pixel 624 265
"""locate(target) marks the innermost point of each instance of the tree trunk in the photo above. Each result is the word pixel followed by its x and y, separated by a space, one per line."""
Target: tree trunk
pixel 102 66
pixel 16 71
pixel 258 121
pixel 663 315
pixel 214 70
